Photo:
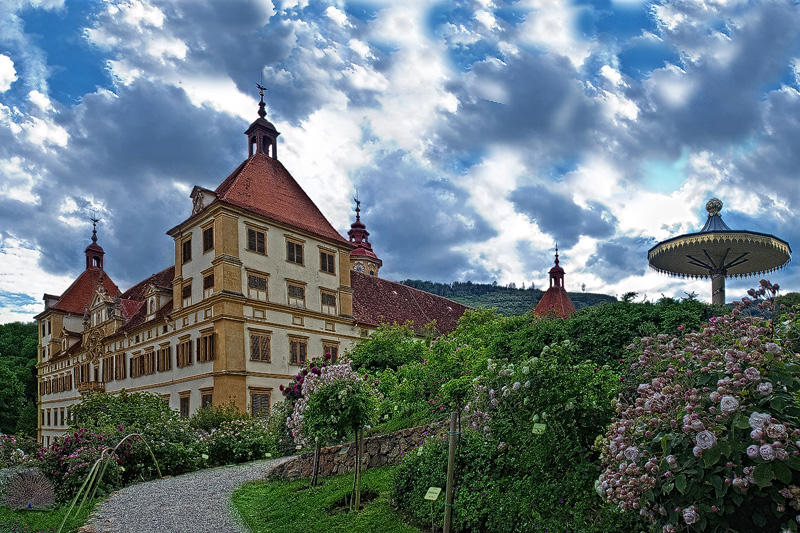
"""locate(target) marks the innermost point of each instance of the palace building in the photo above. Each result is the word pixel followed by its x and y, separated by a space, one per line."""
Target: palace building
pixel 261 282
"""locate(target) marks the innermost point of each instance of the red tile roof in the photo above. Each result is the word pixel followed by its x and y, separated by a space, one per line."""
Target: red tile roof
pixel 263 185
pixel 162 280
pixel 555 303
pixel 378 301
pixel 80 293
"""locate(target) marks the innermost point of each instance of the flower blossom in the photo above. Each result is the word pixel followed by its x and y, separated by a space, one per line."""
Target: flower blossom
pixel 765 388
pixel 758 420
pixel 767 452
pixel 706 439
pixel 690 515
pixel 728 404
pixel 752 451
pixel 752 373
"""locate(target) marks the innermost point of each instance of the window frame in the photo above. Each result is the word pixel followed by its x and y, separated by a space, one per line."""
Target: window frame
pixel 292 246
pixel 205 346
pixel 186 250
pixel 208 283
pixel 298 302
pixel 208 237
pixel 255 293
pixel 256 232
pixel 261 393
pixel 265 339
pixel 327 261
pixel 298 350
pixel 322 305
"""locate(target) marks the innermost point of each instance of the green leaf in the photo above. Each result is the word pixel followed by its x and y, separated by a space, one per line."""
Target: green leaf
pixel 716 482
pixel 667 487
pixel 763 474
pixel 725 448
pixel 777 404
pixel 759 519
pixel 782 472
pixel 741 422
pixel 710 457
pixel 680 483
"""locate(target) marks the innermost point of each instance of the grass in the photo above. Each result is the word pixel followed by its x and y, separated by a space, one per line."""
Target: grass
pixel 291 507
pixel 36 521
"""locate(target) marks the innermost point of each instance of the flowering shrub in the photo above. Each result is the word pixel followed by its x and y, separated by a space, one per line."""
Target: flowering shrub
pixel 68 460
pixel 710 439
pixel 175 446
pixel 236 441
pixel 16 451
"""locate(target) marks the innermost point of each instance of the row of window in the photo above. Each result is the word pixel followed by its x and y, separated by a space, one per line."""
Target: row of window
pixel 56 384
pixel 257 242
pixel 57 416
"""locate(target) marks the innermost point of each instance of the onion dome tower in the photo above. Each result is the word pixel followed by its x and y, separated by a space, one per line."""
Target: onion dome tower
pixel 94 252
pixel 717 251
pixel 555 302
pixel 362 258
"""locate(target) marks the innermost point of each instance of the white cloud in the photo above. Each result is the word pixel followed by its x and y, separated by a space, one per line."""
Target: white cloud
pixel 552 24
pixel 338 16
pixel 8 74
pixel 17 181
pixel 42 133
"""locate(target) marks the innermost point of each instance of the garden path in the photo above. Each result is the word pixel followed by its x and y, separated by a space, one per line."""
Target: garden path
pixel 197 502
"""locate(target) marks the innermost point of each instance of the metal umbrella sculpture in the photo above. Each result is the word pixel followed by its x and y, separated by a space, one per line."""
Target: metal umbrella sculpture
pixel 717 252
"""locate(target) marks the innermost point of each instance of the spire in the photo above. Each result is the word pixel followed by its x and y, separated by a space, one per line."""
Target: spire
pixel 557 273
pixel 362 258
pixel 555 302
pixel 262 135
pixel 94 252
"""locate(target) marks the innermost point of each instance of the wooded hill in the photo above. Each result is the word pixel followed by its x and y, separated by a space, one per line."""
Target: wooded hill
pixel 18 343
pixel 509 300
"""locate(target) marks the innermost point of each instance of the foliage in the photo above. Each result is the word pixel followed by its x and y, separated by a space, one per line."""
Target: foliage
pixel 390 346
pixel 237 441
pixel 69 459
pixel 707 440
pixel 514 475
pixel 132 411
pixel 175 447
pixel 508 300
pixel 212 416
pixel 16 451
pixel 18 342
pixel 279 438
pixel 42 521
pixel 291 506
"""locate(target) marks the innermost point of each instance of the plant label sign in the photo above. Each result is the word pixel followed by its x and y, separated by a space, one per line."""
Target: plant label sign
pixel 433 493
pixel 538 429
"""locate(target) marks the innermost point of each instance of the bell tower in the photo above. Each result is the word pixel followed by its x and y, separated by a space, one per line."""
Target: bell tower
pixel 362 258
pixel 262 137
pixel 94 252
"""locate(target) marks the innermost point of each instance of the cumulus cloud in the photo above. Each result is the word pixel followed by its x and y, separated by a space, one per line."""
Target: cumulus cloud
pixel 8 74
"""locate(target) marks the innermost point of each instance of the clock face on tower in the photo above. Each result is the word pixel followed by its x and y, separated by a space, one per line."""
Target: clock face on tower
pixel 359 268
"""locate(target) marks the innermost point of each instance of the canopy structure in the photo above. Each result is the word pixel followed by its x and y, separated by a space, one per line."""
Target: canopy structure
pixel 716 252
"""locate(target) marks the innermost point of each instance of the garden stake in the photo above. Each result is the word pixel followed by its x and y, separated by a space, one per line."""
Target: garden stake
pixel 448 502
pixel 315 470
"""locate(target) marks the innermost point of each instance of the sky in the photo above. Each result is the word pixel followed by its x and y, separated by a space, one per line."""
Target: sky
pixel 476 133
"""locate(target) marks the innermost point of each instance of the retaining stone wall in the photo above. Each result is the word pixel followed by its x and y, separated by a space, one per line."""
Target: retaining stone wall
pixel 378 451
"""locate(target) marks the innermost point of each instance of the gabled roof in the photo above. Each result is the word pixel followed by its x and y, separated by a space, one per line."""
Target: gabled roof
pixel 80 293
pixel 555 303
pixel 162 280
pixel 263 185
pixel 378 301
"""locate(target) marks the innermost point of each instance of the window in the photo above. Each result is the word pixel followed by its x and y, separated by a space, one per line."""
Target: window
pixel 297 351
pixel 186 293
pixel 206 398
pixel 329 303
pixel 257 286
pixel 150 363
pixel 331 348
pixel 294 252
pixel 205 348
pixel 120 365
pixel 164 358
pixel 297 295
pixel 186 247
pixel 208 239
pixel 184 405
pixel 256 241
pixel 326 262
pixel 259 347
pixel 184 353
pixel 208 285
pixel 108 370
pixel 137 365
pixel 259 403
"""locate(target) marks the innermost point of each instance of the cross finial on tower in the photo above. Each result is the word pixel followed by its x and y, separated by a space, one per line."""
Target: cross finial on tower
pixel 556 253
pixel 94 220
pixel 358 207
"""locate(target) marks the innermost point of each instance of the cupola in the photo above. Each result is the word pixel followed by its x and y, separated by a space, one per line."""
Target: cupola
pixel 362 258
pixel 555 302
pixel 94 252
pixel 262 137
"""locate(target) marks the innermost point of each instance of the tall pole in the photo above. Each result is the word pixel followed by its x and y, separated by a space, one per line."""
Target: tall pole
pixel 718 287
pixel 448 503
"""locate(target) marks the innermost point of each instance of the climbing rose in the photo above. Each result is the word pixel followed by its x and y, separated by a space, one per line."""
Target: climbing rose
pixel 767 452
pixel 765 388
pixel 728 404
pixel 706 440
pixel 776 431
pixel 758 420
pixel 752 451
pixel 632 454
pixel 690 516
pixel 752 373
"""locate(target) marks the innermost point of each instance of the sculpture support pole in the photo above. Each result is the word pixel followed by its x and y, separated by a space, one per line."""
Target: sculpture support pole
pixel 718 287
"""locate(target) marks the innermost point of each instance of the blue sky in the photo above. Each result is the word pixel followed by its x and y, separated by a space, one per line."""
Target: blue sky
pixel 477 133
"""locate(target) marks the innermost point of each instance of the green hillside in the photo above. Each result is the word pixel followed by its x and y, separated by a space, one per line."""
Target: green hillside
pixel 509 300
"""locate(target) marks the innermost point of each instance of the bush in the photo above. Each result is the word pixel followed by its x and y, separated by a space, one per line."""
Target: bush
pixel 708 440
pixel 132 411
pixel 279 438
pixel 237 441
pixel 212 416
pixel 175 446
pixel 390 346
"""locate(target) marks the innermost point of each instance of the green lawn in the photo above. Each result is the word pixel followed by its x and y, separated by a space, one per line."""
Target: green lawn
pixel 36 521
pixel 290 507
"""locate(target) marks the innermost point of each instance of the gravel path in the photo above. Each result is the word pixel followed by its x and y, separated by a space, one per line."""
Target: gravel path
pixel 198 502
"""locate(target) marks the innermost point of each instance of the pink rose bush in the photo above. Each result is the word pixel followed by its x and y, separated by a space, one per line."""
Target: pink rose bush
pixel 710 439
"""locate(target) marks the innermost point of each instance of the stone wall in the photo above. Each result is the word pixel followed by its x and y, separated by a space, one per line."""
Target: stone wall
pixel 378 451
